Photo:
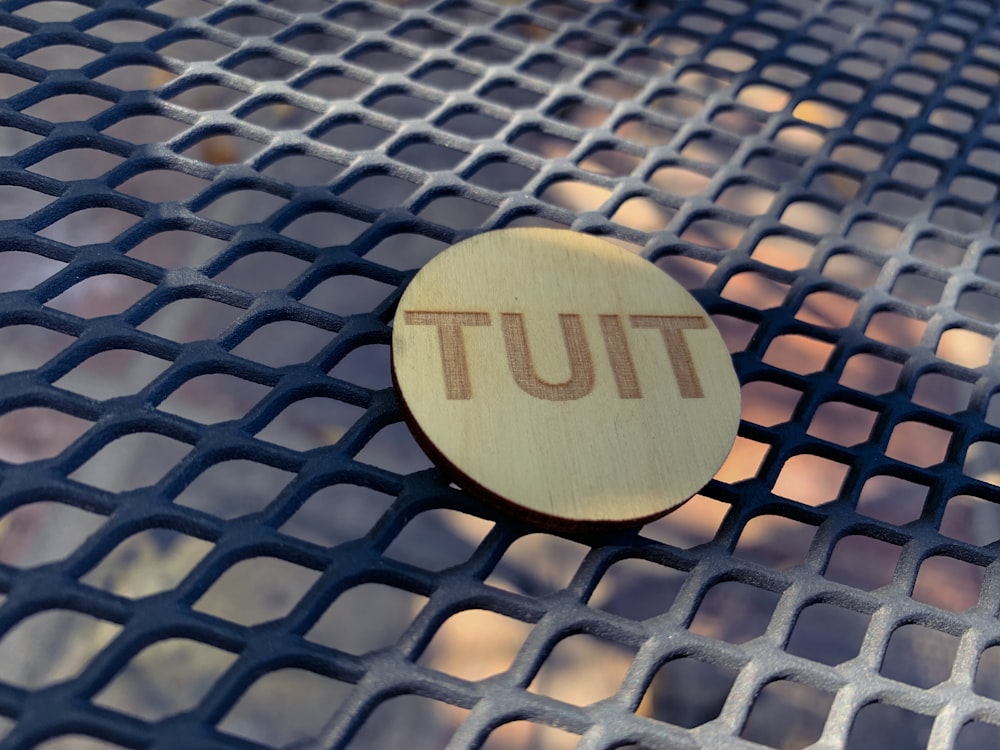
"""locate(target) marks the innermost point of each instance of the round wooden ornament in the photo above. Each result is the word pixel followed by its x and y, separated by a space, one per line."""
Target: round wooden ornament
pixel 564 378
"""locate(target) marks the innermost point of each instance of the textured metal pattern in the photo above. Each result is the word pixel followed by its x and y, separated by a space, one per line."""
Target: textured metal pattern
pixel 823 175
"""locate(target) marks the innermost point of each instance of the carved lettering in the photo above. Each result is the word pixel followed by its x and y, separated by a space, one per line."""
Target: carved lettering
pixel 672 327
pixel 619 356
pixel 453 358
pixel 455 365
pixel 581 365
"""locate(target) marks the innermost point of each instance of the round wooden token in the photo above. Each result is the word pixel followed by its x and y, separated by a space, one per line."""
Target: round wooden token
pixel 563 377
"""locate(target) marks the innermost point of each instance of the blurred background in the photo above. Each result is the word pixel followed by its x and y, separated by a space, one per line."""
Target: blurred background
pixel 211 209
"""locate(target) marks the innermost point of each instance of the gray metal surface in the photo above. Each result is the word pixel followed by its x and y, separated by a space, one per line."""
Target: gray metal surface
pixel 215 531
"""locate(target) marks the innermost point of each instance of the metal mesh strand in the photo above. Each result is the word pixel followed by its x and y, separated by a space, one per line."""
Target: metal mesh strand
pixel 215 530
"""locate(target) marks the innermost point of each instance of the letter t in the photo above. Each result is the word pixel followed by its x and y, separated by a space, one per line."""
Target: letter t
pixel 449 325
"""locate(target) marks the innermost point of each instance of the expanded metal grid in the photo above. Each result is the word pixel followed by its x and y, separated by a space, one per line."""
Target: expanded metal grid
pixel 215 531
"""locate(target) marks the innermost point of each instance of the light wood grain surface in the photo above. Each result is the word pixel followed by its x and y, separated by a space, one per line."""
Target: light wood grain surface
pixel 564 377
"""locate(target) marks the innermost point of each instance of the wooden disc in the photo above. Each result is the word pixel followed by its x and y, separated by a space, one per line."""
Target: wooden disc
pixel 563 377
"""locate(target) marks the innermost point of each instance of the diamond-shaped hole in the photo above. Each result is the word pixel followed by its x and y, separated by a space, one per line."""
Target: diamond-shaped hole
pixel 644 214
pixel 964 347
pixel 688 692
pixel 142 129
pixel 743 462
pixel 161 185
pixel 854 270
pixel 35 433
pixel 756 290
pixel 429 156
pixel 191 319
pixel 54 11
pixel 285 707
pixel 323 229
pixel 60 644
pixel 775 541
pixel 68 108
pixel 475 644
pixel 798 354
pixel 213 398
pixel 283 342
pixel 354 136
pixel 877 235
pixel 61 56
pixel 891 499
pixel 870 373
pixel 863 562
pixel 240 207
pixel 948 583
pixel 140 459
pixel 303 169
pixel 714 234
pixel 311 423
pixel 842 423
pixel 90 226
pixel 787 714
pixel 367 366
pixel 971 519
pixel 749 199
pixel 230 489
pixel 137 77
pixel 884 725
pixel 827 309
pixel 195 50
pixel 918 443
pixel 438 539
pixel 501 176
pixel 538 564
pixel 828 634
pixel 264 67
pixel 395 721
pixel 919 656
pixel 981 305
pixel 147 563
pixel 575 195
pixel 937 391
pixel 28 347
pixel 734 612
pixel 19 202
pixel 223 149
pixel 610 161
pixel 982 462
pixel 394 448
pixel 391 611
pixel 471 125
pixel 583 669
pixel 457 212
pixel 259 271
pixel 768 404
pixel 337 514
pixel 693 523
pixel 76 164
pixel 380 191
pixel 96 296
pixel 257 590
pixel 810 479
pixel 637 589
pixel 810 216
pixel 44 532
pixel 280 116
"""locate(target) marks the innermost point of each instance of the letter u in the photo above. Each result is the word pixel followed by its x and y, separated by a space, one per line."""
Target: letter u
pixel 581 364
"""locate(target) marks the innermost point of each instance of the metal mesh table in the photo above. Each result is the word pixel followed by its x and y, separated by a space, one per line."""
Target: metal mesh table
pixel 216 532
